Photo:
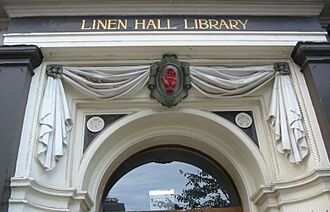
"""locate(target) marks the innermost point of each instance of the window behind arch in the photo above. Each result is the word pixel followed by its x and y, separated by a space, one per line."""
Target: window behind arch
pixel 170 178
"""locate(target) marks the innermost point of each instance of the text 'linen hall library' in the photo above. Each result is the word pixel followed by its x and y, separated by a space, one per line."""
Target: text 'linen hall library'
pixel 180 105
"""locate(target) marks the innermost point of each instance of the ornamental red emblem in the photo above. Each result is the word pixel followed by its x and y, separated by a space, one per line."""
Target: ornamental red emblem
pixel 169 80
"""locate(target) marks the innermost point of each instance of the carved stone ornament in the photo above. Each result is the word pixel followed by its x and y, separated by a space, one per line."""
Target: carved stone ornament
pixel 169 80
pixel 54 70
pixel 282 67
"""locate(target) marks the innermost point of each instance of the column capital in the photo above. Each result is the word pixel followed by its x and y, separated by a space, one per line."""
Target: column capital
pixel 26 55
pixel 311 52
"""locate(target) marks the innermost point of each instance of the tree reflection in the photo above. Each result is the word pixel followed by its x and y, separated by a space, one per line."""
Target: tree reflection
pixel 193 188
pixel 167 204
pixel 203 192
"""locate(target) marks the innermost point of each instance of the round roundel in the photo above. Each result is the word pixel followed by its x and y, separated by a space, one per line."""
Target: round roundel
pixel 243 120
pixel 95 124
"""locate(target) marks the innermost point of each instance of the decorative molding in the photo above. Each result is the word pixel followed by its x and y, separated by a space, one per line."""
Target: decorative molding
pixel 17 8
pixel 47 197
pixel 318 180
pixel 271 148
pixel 204 131
pixel 197 55
pixel 58 46
pixel 306 120
pixel 282 67
pixel 54 70
pixel 34 121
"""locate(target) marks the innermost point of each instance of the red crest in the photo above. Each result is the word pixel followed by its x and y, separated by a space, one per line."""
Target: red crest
pixel 169 80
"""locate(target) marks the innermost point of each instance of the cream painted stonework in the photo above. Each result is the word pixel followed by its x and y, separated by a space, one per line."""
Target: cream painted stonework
pixel 266 181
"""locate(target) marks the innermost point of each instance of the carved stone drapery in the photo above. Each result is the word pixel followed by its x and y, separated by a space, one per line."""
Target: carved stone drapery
pixel 55 120
pixel 285 117
pixel 214 81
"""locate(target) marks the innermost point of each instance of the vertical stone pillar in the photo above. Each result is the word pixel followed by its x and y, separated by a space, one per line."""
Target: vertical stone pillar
pixel 16 70
pixel 314 60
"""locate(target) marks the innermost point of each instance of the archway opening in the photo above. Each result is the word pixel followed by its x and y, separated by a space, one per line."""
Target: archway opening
pixel 169 178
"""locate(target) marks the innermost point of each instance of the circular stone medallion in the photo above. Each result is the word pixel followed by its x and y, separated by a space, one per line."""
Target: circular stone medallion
pixel 95 124
pixel 243 120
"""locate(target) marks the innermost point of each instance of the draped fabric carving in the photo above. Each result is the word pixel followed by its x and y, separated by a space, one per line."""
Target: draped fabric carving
pixel 55 124
pixel 285 119
pixel 213 81
pixel 284 115
pixel 220 81
pixel 107 82
pixel 96 82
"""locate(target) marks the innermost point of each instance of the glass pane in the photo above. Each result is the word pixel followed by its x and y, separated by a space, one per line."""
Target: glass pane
pixel 169 186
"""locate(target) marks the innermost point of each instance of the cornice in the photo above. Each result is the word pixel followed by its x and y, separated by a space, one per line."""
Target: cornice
pixel 28 55
pixel 311 52
pixel 24 8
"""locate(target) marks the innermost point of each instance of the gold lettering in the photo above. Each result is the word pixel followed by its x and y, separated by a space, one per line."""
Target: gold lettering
pixel 112 24
pixel 233 24
pixel 83 25
pixel 94 24
pixel 140 23
pixel 186 25
pixel 196 23
pixel 213 24
pixel 122 24
pixel 101 23
pixel 169 25
pixel 243 24
pixel 152 24
pixel 203 24
pixel 159 24
pixel 223 23
pixel 162 24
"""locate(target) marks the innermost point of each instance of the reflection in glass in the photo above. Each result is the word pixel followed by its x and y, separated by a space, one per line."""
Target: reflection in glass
pixel 170 186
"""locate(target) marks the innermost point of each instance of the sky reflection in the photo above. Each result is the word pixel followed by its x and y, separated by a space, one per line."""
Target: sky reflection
pixel 133 188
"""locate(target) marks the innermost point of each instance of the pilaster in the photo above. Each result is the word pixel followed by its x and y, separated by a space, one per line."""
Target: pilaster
pixel 16 70
pixel 314 60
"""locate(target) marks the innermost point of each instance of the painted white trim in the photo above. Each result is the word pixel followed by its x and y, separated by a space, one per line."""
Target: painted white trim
pixel 205 32
pixel 160 39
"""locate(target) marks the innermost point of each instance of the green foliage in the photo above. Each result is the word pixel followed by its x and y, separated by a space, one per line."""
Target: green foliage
pixel 203 192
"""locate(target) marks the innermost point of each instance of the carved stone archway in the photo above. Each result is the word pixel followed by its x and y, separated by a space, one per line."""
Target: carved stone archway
pixel 210 134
